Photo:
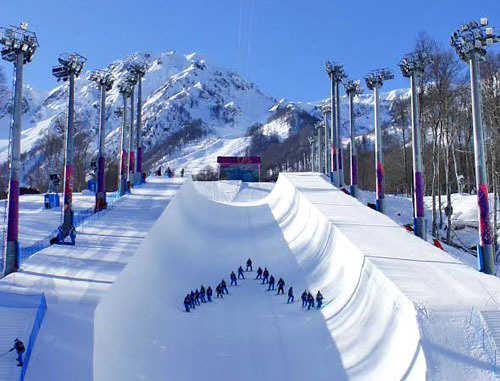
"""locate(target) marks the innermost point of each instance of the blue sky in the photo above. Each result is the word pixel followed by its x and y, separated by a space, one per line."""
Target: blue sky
pixel 281 45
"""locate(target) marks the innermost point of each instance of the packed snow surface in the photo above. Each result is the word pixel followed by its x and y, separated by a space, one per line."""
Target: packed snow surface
pixel 396 307
pixel 74 278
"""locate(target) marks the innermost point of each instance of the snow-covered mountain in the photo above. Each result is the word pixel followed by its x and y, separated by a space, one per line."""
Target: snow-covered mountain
pixel 179 91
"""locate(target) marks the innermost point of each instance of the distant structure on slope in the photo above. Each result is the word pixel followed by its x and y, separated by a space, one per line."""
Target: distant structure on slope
pixel 244 168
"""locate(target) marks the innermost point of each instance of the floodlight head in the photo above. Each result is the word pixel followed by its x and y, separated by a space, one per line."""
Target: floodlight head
pixel 102 78
pixel 375 79
pixel 326 109
pixel 137 68
pixel 471 39
pixel 125 88
pixel 18 40
pixel 335 71
pixel 70 64
pixel 353 87
pixel 414 63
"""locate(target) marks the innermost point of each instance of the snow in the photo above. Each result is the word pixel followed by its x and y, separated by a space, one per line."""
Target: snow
pixel 74 278
pixel 396 307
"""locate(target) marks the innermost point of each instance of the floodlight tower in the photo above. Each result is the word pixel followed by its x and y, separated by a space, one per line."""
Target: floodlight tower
pixel 326 114
pixel 125 90
pixel 70 66
pixel 311 142
pixel 412 66
pixel 336 73
pixel 104 79
pixel 19 48
pixel 139 70
pixel 132 81
pixel 374 81
pixel 321 154
pixel 470 42
pixel 352 89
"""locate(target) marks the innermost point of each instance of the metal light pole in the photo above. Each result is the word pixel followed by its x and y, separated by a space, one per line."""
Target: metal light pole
pixel 139 70
pixel 311 142
pixel 470 42
pixel 326 120
pixel 352 89
pixel 19 48
pixel 320 154
pixel 413 65
pixel 70 66
pixel 125 91
pixel 336 74
pixel 132 80
pixel 374 81
pixel 105 81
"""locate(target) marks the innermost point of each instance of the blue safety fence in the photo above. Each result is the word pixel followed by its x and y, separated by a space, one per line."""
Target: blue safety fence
pixel 40 314
pixel 83 218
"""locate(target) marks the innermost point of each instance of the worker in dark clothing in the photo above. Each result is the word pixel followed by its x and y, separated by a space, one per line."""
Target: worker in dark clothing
pixel 310 301
pixel 265 276
pixel 202 294
pixel 197 297
pixel 240 273
pixel 218 290
pixel 187 302
pixel 290 295
pixel 281 285
pixel 319 300
pixel 271 283
pixel 233 279
pixel 19 348
pixel 182 172
pixel 191 297
pixel 304 298
pixel 259 273
pixel 223 287
pixel 249 264
pixel 209 294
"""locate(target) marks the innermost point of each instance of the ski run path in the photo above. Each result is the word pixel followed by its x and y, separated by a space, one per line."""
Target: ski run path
pixel 395 306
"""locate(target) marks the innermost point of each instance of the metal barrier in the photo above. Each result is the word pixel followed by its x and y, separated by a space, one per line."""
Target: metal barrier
pixel 40 314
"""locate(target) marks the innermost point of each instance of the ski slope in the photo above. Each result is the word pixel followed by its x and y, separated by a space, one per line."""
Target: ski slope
pixel 396 307
pixel 74 278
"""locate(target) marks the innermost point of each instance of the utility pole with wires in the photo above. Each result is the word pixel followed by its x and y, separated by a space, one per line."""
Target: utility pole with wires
pixel 20 45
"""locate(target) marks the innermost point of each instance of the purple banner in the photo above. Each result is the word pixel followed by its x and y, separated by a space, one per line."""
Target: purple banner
pixel 419 194
pixel 101 165
pixel 238 160
pixel 139 159
pixel 124 163
pixel 484 215
pixel 132 161
pixel 13 222
pixel 354 170
pixel 380 181
pixel 68 187
pixel 334 158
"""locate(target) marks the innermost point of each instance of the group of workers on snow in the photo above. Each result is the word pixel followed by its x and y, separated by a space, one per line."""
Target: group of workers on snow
pixel 195 298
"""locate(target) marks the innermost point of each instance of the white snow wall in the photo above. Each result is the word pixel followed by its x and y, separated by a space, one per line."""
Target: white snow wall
pixel 137 327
